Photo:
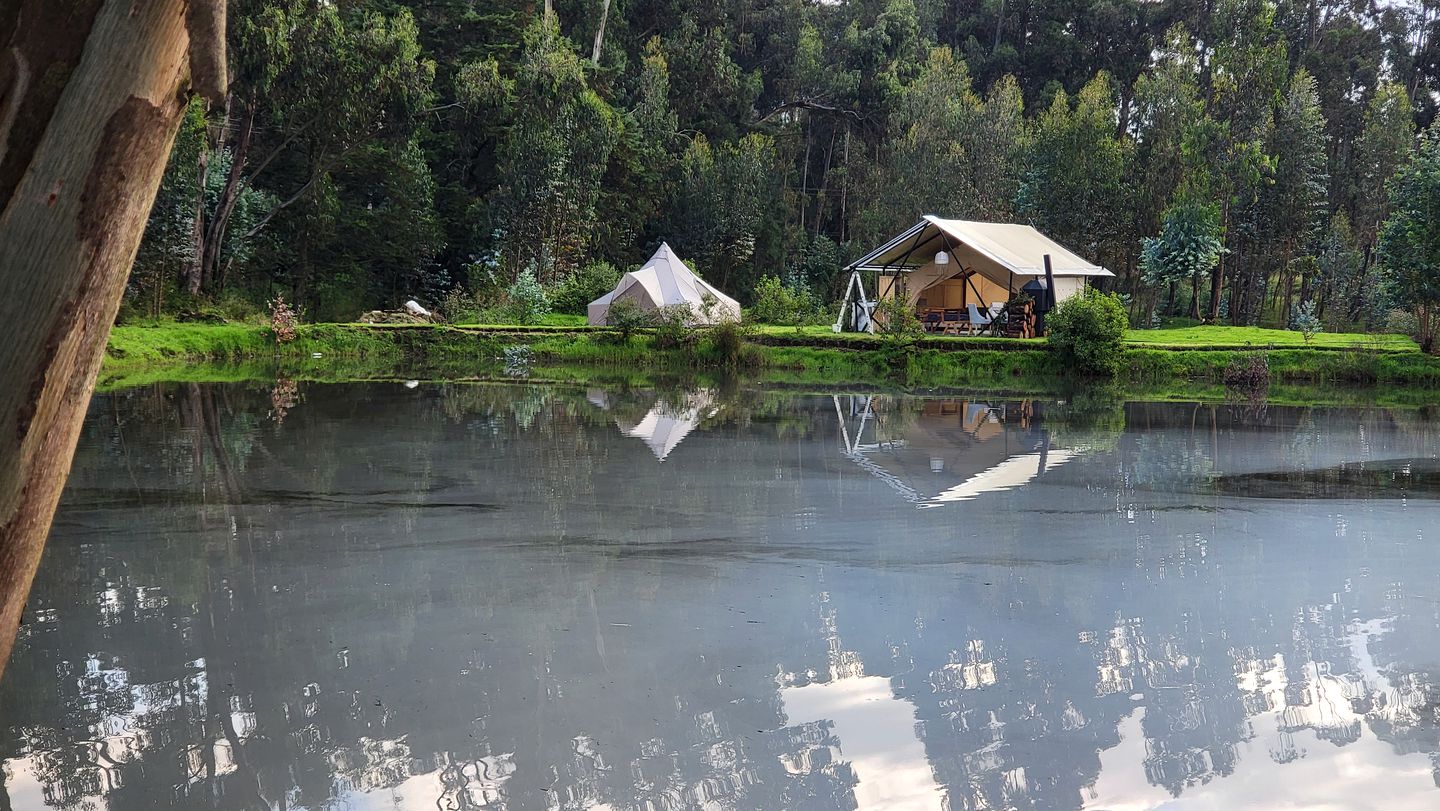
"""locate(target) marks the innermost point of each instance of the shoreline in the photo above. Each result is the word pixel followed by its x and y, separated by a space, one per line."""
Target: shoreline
pixel 138 355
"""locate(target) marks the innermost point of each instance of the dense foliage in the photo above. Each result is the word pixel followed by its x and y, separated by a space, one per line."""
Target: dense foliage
pixel 1088 333
pixel 376 150
pixel 1410 242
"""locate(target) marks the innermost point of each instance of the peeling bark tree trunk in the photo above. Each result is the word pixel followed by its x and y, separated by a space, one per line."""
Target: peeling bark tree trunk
pixel 91 95
pixel 600 32
pixel 194 273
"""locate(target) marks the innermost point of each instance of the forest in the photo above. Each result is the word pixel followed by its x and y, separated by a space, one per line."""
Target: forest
pixel 1234 161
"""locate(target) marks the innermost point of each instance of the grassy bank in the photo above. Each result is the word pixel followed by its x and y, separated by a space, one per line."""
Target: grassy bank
pixel 139 354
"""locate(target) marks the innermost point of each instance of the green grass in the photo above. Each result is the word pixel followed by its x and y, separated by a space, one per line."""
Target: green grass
pixel 1222 337
pixel 1179 337
pixel 159 343
pixel 813 357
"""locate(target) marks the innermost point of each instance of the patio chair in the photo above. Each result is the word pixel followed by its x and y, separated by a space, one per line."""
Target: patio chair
pixel 978 321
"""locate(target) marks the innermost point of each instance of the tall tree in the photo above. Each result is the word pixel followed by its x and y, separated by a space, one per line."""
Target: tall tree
pixel 314 82
pixel 1293 201
pixel 1073 188
pixel 1410 238
pixel 1242 73
pixel 924 167
pixel 82 153
pixel 552 160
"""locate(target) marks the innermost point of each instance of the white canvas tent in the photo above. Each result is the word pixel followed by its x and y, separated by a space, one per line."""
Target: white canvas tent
pixel 665 281
pixel 942 263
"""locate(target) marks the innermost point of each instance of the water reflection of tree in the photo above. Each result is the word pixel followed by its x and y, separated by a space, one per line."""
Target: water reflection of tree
pixel 281 698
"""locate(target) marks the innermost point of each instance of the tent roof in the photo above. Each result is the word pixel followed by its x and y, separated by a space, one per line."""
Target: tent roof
pixel 667 280
pixel 1019 249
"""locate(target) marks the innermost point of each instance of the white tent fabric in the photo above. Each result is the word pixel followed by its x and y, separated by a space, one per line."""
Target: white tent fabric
pixel 667 423
pixel 1010 247
pixel 665 281
pixel 1016 471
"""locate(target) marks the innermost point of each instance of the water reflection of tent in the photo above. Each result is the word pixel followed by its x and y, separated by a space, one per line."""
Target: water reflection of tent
pixel 668 421
pixel 953 450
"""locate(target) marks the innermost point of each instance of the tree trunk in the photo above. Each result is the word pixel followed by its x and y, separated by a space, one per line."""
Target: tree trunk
pixel 1217 282
pixel 229 196
pixel 91 96
pixel 600 33
pixel 194 273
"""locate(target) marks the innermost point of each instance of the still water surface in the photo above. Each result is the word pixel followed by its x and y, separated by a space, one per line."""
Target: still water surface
pixel 462 597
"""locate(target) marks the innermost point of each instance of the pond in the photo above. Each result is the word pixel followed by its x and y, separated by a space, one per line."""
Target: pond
pixel 386 596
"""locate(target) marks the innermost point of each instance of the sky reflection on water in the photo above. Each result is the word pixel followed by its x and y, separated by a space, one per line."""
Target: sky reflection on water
pixel 374 597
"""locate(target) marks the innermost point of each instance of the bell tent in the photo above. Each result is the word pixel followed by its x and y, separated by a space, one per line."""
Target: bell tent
pixel 665 281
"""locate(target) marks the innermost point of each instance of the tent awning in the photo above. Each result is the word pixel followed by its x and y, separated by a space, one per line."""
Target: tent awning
pixel 1018 249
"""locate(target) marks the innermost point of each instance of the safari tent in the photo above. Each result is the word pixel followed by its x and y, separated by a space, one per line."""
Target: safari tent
pixel 665 281
pixel 941 264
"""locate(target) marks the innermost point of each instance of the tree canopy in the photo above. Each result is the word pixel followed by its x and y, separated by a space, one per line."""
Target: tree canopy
pixel 375 150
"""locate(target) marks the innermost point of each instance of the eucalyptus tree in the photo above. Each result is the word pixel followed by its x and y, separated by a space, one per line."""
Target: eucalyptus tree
pixel 1074 187
pixel 82 154
pixel 725 197
pixel 1186 250
pixel 1340 291
pixel 1291 204
pixel 1410 238
pixel 1385 144
pixel 1168 112
pixel 552 159
pixel 924 166
pixel 313 83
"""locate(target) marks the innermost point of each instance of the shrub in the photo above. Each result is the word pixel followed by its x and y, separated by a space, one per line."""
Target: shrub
pixel 1402 322
pixel 896 320
pixel 776 303
pixel 283 320
pixel 673 326
pixel 1249 372
pixel 572 295
pixel 460 307
pixel 728 341
pixel 626 317
pixel 1305 322
pixel 527 300
pixel 1088 333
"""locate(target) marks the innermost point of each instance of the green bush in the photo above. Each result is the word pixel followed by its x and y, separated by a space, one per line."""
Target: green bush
pixel 778 304
pixel 673 326
pixel 626 317
pixel 460 306
pixel 582 287
pixel 1087 332
pixel 729 344
pixel 527 300
pixel 1305 322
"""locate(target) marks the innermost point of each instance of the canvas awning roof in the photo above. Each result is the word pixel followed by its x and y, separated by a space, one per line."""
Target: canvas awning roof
pixel 1018 249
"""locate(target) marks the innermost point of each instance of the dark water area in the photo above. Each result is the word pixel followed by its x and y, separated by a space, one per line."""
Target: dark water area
pixel 526 597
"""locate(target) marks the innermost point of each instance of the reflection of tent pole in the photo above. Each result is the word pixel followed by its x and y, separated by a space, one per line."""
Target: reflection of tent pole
pixel 844 431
